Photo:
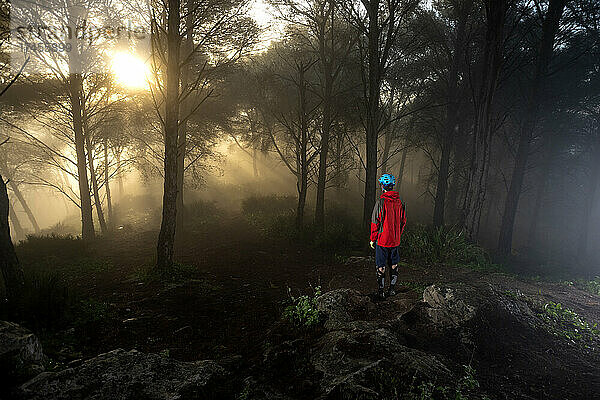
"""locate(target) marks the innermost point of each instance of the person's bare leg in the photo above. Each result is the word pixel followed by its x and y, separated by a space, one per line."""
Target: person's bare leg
pixel 393 279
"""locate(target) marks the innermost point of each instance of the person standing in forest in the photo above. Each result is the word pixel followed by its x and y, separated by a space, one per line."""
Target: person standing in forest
pixel 387 224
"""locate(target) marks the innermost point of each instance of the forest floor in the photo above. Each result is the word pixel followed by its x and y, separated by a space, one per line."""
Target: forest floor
pixel 234 285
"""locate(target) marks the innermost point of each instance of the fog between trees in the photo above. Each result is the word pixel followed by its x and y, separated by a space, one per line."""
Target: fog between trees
pixel 487 112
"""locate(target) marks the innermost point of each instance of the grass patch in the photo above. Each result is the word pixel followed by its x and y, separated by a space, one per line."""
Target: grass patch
pixel 566 323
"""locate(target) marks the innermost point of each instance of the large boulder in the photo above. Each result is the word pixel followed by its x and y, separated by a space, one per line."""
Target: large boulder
pixel 479 311
pixel 358 355
pixel 372 363
pixel 481 323
pixel 449 306
pixel 341 306
pixel 20 352
pixel 123 375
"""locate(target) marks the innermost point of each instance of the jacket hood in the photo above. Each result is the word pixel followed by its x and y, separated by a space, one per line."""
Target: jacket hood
pixel 391 195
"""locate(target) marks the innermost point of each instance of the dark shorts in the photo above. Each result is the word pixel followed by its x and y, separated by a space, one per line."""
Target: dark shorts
pixel 386 256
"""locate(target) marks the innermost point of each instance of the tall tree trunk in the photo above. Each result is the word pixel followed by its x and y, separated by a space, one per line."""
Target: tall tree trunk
pixel 387 145
pixel 302 189
pixel 255 162
pixel 25 206
pixel 401 169
pixel 442 181
pixel 588 207
pixel 107 187
pixel 166 237
pixel 303 183
pixel 483 129
pixel 541 190
pixel 76 97
pixel 388 136
pixel 14 218
pixel 457 184
pixel 549 29
pixel 94 178
pixel 451 122
pixel 119 176
pixel 325 131
pixel 340 174
pixel 539 195
pixel 15 189
pixel 372 112
pixel 181 171
pixel 12 273
pixel 188 48
pixel 361 185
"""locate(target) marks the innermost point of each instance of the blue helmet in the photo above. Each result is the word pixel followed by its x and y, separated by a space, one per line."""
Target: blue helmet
pixel 387 179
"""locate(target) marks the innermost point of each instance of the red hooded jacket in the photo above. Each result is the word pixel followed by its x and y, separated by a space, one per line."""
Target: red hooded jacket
pixel 388 220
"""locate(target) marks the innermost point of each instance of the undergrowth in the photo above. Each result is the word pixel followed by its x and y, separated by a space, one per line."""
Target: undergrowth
pixel 566 323
pixel 390 386
pixel 592 286
pixel 303 310
pixel 443 245
pixel 178 272
pixel 201 212
pixel 275 217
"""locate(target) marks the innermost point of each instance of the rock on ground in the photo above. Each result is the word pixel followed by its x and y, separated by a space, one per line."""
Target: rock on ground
pixel 120 375
pixel 20 352
pixel 404 347
pixel 342 306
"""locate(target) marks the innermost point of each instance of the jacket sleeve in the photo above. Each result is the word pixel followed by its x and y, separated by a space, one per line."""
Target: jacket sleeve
pixel 402 218
pixel 376 220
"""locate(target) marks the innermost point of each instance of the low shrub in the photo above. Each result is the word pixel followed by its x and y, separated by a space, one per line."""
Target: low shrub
pixel 443 245
pixel 202 212
pixel 268 205
pixel 341 230
pixel 592 286
pixel 37 247
pixel 281 226
pixel 303 310
pixel 60 229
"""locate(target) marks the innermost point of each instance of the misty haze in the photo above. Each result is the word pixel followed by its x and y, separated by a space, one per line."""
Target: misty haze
pixel 299 199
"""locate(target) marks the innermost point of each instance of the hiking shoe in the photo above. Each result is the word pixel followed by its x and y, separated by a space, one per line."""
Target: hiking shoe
pixel 391 292
pixel 381 295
